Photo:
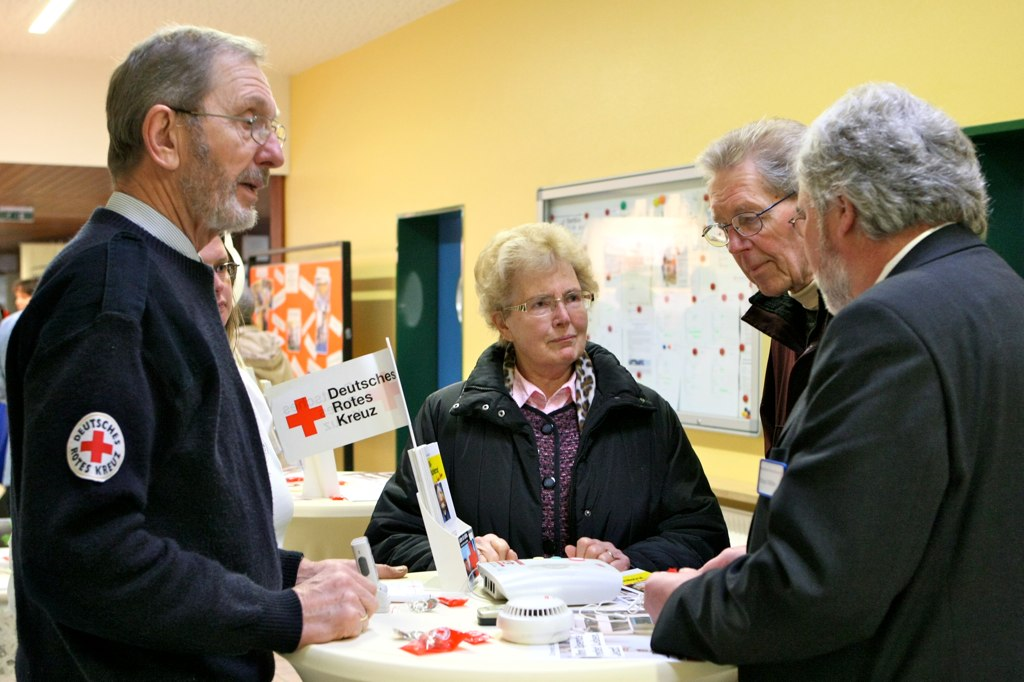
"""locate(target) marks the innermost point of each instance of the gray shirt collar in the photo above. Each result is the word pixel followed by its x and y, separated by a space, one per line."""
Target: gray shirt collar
pixel 153 222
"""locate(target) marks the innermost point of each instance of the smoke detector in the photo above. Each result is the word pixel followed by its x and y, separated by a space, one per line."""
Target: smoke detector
pixel 535 620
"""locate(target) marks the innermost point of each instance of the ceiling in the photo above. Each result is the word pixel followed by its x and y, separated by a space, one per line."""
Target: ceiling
pixel 298 34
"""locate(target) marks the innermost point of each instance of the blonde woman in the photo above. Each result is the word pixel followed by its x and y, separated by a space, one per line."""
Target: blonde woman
pixel 550 446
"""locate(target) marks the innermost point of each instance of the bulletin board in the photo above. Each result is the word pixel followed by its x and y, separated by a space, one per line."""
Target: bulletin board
pixel 669 304
pixel 308 305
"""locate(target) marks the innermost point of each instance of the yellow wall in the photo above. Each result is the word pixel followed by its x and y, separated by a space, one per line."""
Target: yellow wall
pixel 484 101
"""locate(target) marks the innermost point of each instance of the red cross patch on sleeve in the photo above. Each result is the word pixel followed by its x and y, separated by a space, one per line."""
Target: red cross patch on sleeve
pixel 95 447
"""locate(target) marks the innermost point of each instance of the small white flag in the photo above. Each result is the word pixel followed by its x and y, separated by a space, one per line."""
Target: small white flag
pixel 338 405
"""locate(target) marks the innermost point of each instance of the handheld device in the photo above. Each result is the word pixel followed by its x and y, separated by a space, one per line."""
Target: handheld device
pixel 368 569
pixel 364 559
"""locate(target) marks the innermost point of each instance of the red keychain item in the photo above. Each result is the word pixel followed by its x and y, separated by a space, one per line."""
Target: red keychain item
pixel 440 640
pixel 452 601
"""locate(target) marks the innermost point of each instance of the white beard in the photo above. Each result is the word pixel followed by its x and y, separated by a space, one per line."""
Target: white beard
pixel 213 196
pixel 832 276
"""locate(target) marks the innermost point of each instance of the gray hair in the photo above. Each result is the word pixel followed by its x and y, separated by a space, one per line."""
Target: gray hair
pixel 172 67
pixel 899 160
pixel 530 248
pixel 771 143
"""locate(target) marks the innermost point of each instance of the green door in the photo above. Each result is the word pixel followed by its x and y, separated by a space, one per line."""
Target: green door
pixel 428 322
pixel 1000 150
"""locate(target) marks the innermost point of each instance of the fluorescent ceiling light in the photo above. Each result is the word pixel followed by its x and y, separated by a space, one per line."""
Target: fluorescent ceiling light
pixel 53 11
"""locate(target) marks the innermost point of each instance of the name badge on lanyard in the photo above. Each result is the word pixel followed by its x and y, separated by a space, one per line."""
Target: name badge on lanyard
pixel 769 476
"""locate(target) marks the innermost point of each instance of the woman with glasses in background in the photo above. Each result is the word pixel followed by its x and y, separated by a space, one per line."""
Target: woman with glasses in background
pixel 225 269
pixel 550 447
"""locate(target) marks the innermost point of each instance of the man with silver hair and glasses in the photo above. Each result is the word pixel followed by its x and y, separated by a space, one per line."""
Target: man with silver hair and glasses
pixel 143 546
pixel 751 173
pixel 892 543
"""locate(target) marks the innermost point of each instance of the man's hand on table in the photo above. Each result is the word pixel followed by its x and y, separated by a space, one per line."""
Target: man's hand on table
pixel 337 602
pixel 660 586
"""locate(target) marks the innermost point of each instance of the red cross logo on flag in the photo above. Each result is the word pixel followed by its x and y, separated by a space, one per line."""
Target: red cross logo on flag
pixel 305 416
pixel 338 405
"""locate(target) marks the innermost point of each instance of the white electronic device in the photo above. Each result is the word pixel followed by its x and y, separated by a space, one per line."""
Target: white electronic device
pixel 535 620
pixel 368 569
pixel 574 581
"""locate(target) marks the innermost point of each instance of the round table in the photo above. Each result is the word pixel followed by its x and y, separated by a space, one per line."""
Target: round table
pixel 323 528
pixel 377 655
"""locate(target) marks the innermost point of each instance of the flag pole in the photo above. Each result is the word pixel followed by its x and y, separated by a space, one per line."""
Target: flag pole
pixel 401 393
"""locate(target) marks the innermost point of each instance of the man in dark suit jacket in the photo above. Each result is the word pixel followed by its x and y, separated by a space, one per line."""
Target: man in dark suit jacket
pixel 887 544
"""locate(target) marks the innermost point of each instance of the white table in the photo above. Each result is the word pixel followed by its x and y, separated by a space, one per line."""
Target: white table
pixel 323 528
pixel 377 655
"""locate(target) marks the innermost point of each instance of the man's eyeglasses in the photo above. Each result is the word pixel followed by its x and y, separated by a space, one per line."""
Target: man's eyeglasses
pixel 745 224
pixel 260 127
pixel 226 271
pixel 798 215
pixel 542 306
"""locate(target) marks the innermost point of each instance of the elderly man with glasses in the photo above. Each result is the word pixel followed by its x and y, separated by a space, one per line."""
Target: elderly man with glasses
pixel 893 547
pixel 752 188
pixel 143 541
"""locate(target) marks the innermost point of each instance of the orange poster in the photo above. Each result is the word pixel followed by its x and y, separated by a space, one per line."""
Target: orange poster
pixel 303 304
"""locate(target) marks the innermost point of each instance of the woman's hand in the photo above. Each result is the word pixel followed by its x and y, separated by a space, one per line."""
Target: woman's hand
pixel 492 548
pixel 588 548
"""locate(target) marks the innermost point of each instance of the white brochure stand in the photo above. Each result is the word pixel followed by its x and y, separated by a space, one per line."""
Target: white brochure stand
pixel 320 476
pixel 446 548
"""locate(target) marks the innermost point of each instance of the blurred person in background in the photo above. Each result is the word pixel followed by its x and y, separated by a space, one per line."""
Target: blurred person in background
pixel 260 350
pixel 225 269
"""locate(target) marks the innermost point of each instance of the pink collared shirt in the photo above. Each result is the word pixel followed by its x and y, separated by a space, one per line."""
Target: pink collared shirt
pixel 523 392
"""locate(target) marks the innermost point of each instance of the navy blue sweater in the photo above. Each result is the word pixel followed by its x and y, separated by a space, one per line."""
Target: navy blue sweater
pixel 168 569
